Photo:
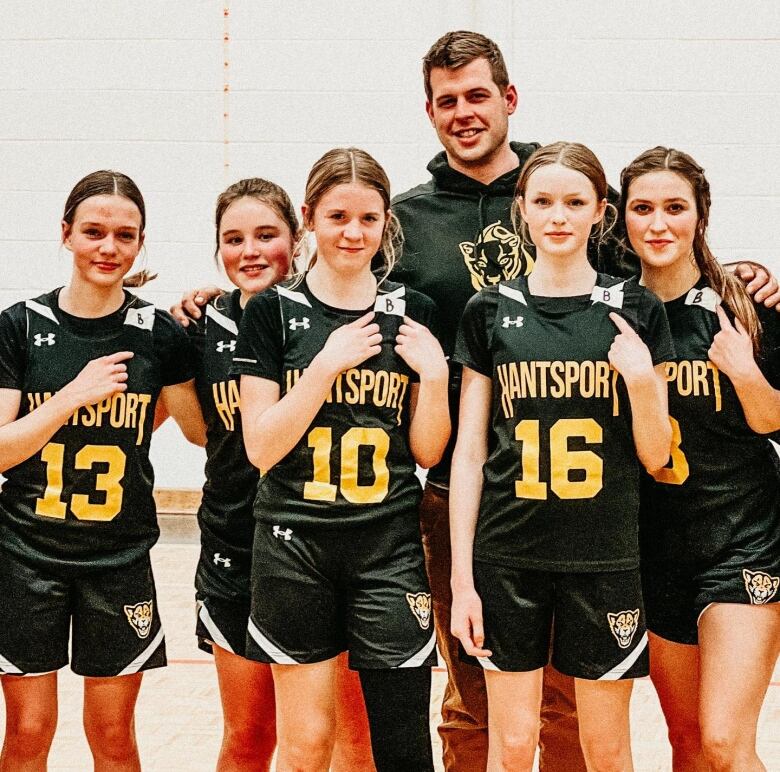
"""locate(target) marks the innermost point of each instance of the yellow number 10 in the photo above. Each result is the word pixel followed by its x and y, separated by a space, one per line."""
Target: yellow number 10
pixel 562 460
pixel 109 482
pixel 320 488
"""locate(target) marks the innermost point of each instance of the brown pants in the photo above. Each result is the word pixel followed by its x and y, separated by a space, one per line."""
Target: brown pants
pixel 464 730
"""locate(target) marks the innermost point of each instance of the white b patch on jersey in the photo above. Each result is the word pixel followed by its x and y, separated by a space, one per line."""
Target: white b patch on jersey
pixel 391 302
pixel 143 318
pixel 610 296
pixel 706 297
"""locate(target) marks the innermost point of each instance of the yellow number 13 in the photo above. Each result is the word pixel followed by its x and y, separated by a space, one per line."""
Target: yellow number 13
pixel 108 482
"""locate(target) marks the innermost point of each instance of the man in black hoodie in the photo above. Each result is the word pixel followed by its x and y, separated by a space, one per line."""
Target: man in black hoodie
pixel 458 238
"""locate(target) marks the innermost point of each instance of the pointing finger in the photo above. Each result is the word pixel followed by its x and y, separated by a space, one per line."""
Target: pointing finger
pixel 622 325
pixel 723 318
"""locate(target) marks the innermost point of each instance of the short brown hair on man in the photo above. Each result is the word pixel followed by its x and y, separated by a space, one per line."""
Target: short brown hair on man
pixel 459 48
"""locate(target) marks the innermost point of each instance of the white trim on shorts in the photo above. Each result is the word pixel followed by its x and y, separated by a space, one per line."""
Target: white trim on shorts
pixel 274 652
pixel 416 660
pixel 8 668
pixel 216 634
pixel 145 655
pixel 488 664
pixel 621 668
pixel 711 603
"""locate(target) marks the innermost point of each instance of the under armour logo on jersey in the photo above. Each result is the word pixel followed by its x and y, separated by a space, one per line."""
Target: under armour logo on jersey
pixel 225 345
pixel 41 339
pixel 219 559
pixel 280 534
pixel 294 324
pixel 509 322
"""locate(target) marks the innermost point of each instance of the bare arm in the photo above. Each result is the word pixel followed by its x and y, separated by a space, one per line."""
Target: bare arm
pixel 273 426
pixel 189 306
pixel 732 353
pixel 181 402
pixel 430 427
pixel 21 438
pixel 647 391
pixel 465 493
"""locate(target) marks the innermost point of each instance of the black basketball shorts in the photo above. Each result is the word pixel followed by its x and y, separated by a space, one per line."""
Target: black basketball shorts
pixel 319 591
pixel 593 623
pixel 113 614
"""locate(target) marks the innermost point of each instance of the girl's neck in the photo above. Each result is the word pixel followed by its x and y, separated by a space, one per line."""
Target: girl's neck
pixel 90 301
pixel 671 281
pixel 561 276
pixel 351 291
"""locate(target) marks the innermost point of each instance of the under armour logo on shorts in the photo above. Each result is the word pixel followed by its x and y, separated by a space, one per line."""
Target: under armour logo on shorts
pixel 219 559
pixel 39 339
pixel 280 534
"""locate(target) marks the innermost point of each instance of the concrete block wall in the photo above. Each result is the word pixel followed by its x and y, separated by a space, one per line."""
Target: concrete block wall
pixel 187 96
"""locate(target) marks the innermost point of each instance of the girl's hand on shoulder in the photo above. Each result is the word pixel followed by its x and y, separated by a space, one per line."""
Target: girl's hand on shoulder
pixel 418 347
pixel 628 353
pixel 732 349
pixel 350 345
pixel 99 379
pixel 466 622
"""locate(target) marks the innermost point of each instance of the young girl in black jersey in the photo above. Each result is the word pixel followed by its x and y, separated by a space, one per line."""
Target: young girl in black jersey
pixel 562 390
pixel 81 369
pixel 710 527
pixel 256 228
pixel 343 389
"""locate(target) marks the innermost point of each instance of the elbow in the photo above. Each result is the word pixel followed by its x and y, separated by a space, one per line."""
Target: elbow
pixel 429 452
pixel 656 459
pixel 257 457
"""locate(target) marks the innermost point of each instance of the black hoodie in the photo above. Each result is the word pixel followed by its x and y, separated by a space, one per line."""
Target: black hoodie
pixel 458 238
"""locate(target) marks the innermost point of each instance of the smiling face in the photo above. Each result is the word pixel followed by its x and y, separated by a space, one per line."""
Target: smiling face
pixel 348 222
pixel 661 219
pixel 255 245
pixel 470 113
pixel 560 206
pixel 105 237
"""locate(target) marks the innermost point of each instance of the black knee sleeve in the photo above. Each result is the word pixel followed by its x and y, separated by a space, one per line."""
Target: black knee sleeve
pixel 398 707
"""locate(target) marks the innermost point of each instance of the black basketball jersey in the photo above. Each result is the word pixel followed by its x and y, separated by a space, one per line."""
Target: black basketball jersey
pixel 225 514
pixel 721 488
pixel 353 464
pixel 86 496
pixel 561 482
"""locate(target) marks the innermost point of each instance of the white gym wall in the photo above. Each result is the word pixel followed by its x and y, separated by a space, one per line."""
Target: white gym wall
pixel 189 96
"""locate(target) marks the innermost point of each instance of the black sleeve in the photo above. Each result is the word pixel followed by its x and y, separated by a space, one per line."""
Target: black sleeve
pixel 654 328
pixel 13 347
pixel 260 344
pixel 196 332
pixel 769 361
pixel 174 348
pixel 472 348
pixel 423 310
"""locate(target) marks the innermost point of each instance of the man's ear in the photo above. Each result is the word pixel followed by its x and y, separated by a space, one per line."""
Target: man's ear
pixel 429 110
pixel 511 99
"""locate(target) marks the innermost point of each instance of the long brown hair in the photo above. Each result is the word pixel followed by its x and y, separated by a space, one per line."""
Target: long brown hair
pixel 728 286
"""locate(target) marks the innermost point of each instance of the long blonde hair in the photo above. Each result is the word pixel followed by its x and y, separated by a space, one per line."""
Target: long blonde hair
pixel 342 166
pixel 728 286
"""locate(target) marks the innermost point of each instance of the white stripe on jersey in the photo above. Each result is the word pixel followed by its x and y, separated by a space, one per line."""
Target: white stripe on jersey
pixel 487 664
pixel 222 320
pixel 621 668
pixel 296 297
pixel 417 659
pixel 511 292
pixel 275 653
pixel 39 308
pixel 144 656
pixel 216 634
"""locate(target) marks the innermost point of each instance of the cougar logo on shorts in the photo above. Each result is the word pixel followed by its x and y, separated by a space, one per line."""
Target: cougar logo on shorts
pixel 420 604
pixel 496 246
pixel 760 587
pixel 623 626
pixel 140 618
